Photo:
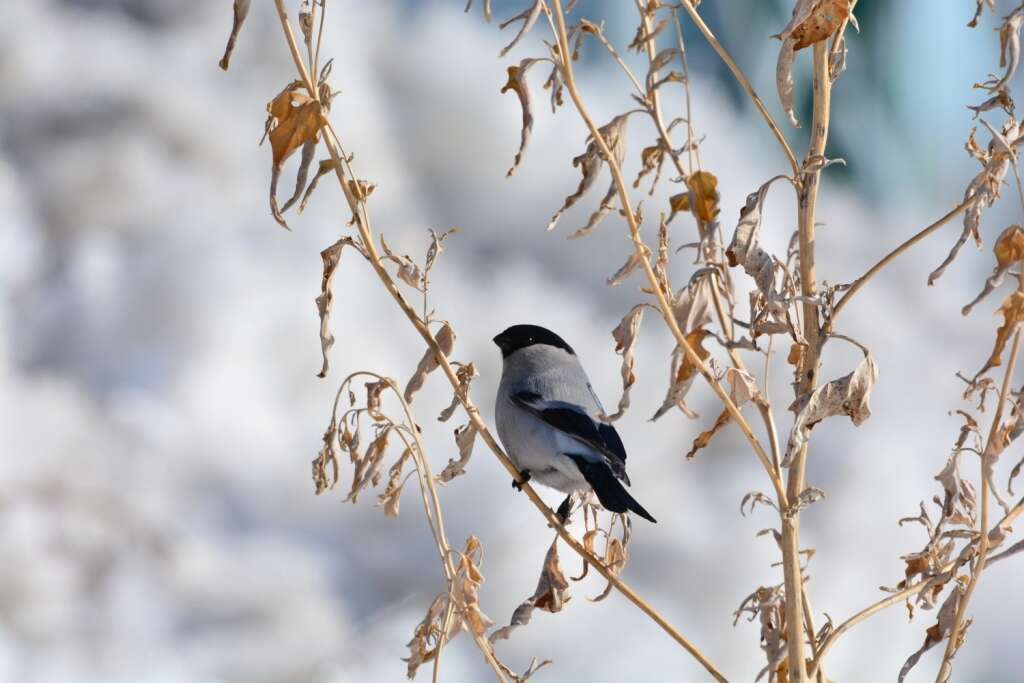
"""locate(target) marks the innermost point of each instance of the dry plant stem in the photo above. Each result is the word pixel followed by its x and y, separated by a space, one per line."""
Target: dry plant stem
pixel 892 255
pixel 742 80
pixel 894 599
pixel 946 669
pixel 663 305
pixel 362 225
pixel 808 196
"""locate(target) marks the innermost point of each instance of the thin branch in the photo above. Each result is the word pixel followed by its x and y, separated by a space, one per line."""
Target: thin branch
pixel 892 255
pixel 744 83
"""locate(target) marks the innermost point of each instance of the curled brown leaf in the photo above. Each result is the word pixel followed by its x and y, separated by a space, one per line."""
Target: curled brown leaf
pixel 428 363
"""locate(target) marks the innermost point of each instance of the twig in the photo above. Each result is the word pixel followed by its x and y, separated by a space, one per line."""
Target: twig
pixel 892 255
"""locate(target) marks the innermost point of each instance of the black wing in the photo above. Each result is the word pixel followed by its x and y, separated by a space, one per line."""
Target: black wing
pixel 574 422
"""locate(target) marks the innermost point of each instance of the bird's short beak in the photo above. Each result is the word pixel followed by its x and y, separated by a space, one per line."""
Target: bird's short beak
pixel 501 341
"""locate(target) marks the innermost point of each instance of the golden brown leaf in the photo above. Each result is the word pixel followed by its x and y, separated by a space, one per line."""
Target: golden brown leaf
pixel 294 119
pixel 704 438
pixel 824 20
pixel 1012 311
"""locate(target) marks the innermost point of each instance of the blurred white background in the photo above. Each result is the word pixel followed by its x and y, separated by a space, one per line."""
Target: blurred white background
pixel 157 364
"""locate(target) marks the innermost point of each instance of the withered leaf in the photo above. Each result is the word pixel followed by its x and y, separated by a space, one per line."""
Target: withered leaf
pixel 844 396
pixel 331 257
pixel 392 495
pixel 467 587
pixel 240 12
pixel 704 438
pixel 551 595
pixel 517 83
pixel 465 374
pixel 1009 249
pixel 327 455
pixel 529 17
pixel 813 21
pixel 626 335
pixel 293 120
pixel 428 363
pixel 614 135
pixel 984 188
pixel 369 468
pixel 939 631
pixel 632 263
pixel 326 166
pixel 465 437
pixel 701 199
pixel 408 271
pixel 1012 311
pixel 683 372
pixel 745 250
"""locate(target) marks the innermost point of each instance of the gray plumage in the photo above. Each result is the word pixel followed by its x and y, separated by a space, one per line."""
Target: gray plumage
pixel 547 418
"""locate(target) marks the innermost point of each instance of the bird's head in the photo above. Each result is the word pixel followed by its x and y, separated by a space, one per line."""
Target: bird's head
pixel 522 336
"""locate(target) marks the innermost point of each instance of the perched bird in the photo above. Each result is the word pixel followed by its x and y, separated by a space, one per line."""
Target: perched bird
pixel 547 417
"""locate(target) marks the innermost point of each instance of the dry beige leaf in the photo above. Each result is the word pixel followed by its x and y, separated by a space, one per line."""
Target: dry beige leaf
pixel 331 257
pixel 465 437
pixel 465 374
pixel 466 588
pixel 813 21
pixel 517 83
pixel 1001 100
pixel 614 135
pixel 615 558
pixel 408 272
pixel 844 396
pixel 751 500
pixel 683 372
pixel 326 166
pixel 327 455
pixel 428 363
pixel 529 17
pixel 939 631
pixel 743 388
pixel 391 498
pixel 984 188
pixel 626 335
pixel 634 261
pixel 240 12
pixel 423 646
pixel 1009 49
pixel 692 305
pixel 551 595
pixel 294 119
pixel 369 468
pixel 745 250
pixel 1012 311
pixel 1009 249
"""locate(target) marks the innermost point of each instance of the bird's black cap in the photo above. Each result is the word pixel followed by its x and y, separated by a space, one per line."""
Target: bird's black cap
pixel 521 336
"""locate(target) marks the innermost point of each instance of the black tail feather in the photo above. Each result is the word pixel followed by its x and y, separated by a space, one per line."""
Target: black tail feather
pixel 610 491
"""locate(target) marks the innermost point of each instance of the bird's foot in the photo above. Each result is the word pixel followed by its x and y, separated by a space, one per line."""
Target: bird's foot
pixel 518 485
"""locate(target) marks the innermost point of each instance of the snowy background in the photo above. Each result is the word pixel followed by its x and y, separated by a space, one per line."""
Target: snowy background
pixel 157 362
